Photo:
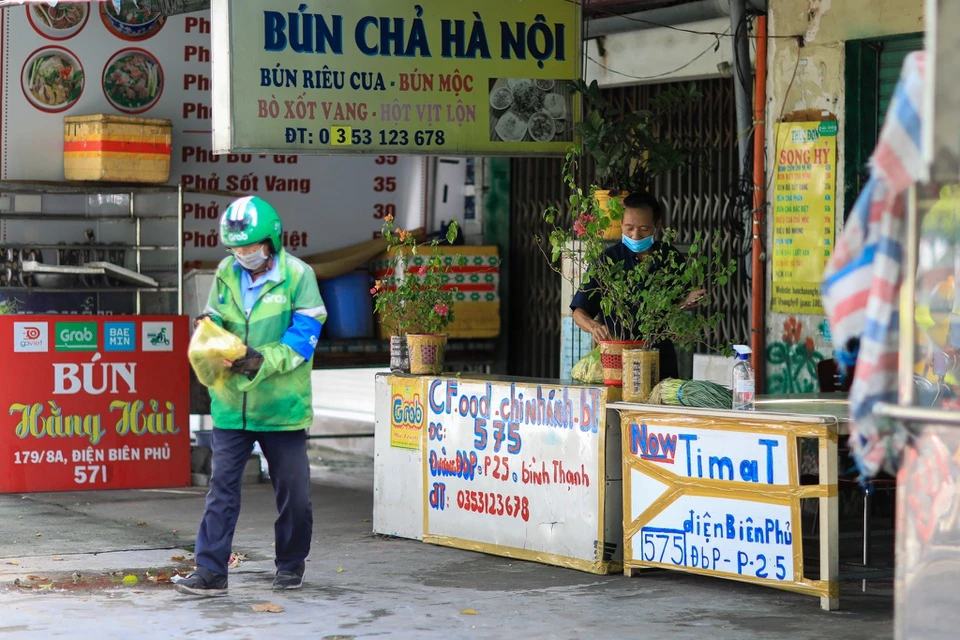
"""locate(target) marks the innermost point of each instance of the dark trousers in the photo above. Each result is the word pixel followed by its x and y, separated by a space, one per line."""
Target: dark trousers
pixel 286 453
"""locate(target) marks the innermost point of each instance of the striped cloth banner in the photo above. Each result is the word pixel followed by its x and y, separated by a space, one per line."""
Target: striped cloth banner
pixel 861 284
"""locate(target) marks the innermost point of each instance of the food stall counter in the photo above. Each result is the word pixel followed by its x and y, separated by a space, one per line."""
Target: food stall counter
pixel 718 492
pixel 518 467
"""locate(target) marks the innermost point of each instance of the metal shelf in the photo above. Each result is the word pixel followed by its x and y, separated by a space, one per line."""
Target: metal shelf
pixel 87 247
pixel 33 290
pixel 100 217
pixel 15 187
pixel 42 187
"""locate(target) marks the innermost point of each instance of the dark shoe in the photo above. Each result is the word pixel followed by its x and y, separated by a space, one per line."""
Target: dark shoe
pixel 203 582
pixel 288 580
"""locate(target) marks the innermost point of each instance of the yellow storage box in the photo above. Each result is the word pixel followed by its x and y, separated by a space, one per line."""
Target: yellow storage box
pixel 116 148
pixel 477 304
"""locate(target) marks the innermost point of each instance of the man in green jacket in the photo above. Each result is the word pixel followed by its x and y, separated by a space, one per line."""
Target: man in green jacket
pixel 270 300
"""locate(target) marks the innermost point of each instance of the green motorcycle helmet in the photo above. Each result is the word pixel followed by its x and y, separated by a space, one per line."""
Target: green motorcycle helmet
pixel 248 221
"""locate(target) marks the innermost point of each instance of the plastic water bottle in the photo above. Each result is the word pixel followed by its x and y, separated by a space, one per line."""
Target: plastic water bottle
pixel 743 379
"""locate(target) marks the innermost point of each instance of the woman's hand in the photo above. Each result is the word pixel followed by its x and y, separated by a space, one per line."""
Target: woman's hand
pixel 600 332
pixel 693 300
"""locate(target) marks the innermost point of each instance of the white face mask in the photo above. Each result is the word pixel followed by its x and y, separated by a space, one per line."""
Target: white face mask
pixel 253 261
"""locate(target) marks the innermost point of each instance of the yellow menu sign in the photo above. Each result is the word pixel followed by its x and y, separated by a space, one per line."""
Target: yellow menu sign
pixel 804 205
pixel 395 76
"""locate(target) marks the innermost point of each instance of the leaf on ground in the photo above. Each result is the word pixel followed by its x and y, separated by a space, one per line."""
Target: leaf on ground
pixel 117 573
pixel 45 587
pixel 268 608
pixel 235 560
pixel 137 591
pixel 177 558
pixel 469 612
pixel 15 563
pixel 339 569
pixel 33 577
pixel 57 559
pixel 39 535
pixel 131 579
pixel 141 524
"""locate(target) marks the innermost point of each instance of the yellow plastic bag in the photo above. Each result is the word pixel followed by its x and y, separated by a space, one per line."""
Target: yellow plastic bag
pixel 588 369
pixel 209 346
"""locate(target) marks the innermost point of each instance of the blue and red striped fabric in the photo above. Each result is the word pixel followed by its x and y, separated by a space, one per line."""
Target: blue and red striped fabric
pixel 861 285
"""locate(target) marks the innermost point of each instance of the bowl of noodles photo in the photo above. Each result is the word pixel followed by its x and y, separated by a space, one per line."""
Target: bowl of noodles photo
pixel 52 79
pixel 132 21
pixel 59 21
pixel 132 80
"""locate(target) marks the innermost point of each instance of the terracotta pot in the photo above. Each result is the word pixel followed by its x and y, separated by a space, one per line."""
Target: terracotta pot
pixel 641 373
pixel 399 355
pixel 426 353
pixel 614 231
pixel 611 360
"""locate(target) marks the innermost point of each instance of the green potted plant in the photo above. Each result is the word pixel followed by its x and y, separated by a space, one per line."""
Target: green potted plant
pixel 645 304
pixel 416 304
pixel 630 149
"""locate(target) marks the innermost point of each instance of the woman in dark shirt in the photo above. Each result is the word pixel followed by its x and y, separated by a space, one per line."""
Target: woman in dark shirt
pixel 642 219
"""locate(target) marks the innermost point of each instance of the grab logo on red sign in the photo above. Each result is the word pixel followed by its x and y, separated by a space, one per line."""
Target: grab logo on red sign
pixel 30 337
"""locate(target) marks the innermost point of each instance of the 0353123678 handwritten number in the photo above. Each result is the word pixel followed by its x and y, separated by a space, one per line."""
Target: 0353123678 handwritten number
pixel 494 504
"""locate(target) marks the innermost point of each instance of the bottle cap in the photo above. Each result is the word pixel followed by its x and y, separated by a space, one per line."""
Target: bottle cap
pixel 742 351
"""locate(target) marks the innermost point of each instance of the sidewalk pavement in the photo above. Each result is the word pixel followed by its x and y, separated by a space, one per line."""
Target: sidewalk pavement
pixel 59 552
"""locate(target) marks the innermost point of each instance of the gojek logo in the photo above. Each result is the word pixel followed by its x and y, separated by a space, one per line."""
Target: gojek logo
pixel 29 337
pixel 76 336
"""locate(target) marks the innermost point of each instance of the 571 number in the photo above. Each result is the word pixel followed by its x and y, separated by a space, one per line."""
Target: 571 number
pixel 90 474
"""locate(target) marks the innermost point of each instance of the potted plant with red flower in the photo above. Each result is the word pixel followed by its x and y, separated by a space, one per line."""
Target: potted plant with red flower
pixel 416 303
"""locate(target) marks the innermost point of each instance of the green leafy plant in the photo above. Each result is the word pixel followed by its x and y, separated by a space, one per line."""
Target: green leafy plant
pixel 414 300
pixel 645 304
pixel 9 306
pixel 631 148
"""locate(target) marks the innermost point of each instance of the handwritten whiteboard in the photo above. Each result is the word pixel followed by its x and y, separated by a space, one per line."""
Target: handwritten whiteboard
pixel 517 470
pixel 718 496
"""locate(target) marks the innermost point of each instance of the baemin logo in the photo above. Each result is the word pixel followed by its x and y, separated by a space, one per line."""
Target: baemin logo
pixel 119 336
pixel 29 337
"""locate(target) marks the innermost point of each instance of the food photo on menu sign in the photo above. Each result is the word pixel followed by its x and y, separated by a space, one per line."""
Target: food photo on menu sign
pixel 132 80
pixel 53 77
pixel 530 110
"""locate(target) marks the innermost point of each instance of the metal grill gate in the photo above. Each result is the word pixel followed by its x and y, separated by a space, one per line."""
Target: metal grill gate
pixel 695 200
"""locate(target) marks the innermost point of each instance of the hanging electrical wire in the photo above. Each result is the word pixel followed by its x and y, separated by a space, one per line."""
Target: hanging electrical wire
pixel 659 75
pixel 650 23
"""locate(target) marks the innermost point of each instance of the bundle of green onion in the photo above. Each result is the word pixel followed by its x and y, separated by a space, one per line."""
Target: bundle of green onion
pixel 692 393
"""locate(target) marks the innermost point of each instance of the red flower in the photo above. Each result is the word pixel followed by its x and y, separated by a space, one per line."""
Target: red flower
pixel 442 310
pixel 422 271
pixel 792 330
pixel 579 228
pixel 811 347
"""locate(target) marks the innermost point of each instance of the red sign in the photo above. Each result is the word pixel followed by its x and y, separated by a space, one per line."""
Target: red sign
pixel 94 402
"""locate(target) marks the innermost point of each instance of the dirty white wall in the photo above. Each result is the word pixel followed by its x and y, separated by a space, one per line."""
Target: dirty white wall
pixel 660 55
pixel 794 343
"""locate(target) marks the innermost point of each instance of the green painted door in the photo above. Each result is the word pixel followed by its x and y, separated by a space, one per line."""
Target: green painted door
pixel 873 69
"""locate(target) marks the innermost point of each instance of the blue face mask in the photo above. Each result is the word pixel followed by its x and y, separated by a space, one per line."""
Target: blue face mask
pixel 638 246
